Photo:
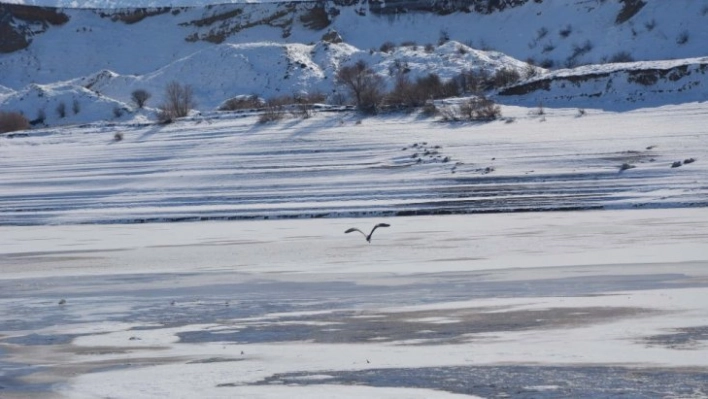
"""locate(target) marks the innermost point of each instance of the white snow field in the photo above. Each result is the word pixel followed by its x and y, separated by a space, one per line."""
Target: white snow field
pixel 464 295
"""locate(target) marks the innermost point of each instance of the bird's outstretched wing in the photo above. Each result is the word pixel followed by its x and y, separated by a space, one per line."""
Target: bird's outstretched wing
pixel 377 226
pixel 355 229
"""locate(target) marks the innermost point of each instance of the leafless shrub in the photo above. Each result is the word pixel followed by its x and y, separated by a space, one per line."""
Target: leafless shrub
pixel 541 33
pixel 547 48
pixel 565 32
pixel 12 122
pixel 304 103
pixel 41 117
pixel 61 110
pixel 682 38
pixel 505 77
pixel 650 25
pixel 578 51
pixel 538 111
pixel 581 112
pixel 399 68
pixel 117 111
pixel 242 103
pixel 474 82
pixel 547 63
pixel 444 37
pixel 273 111
pixel 387 47
pixel 75 106
pixel 409 43
pixel 621 56
pixel 449 113
pixel 429 109
pixel 480 109
pixel 409 94
pixel 118 136
pixel 178 101
pixel 140 97
pixel 429 48
pixel 364 85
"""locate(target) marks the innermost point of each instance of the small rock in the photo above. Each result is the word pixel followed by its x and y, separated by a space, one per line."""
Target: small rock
pixel 689 160
pixel 626 166
pixel 63 301
pixel 651 147
pixel 134 339
pixel 676 164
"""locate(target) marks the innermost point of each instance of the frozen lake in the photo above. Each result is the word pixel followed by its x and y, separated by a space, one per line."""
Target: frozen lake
pixel 506 305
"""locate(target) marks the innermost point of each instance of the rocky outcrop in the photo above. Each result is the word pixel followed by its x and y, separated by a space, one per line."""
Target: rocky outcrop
pixel 18 23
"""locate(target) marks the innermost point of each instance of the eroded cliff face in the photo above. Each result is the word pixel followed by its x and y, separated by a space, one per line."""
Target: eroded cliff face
pixel 628 84
pixel 19 23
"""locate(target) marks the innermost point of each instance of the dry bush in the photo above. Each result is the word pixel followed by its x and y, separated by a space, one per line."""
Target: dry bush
pixel 408 94
pixel 61 110
pixel 682 38
pixel 474 82
pixel 364 85
pixel 242 103
pixel 387 47
pixel 621 56
pixel 505 77
pixel 12 122
pixel 480 109
pixel 178 101
pixel 304 103
pixel 75 106
pixel 429 109
pixel 565 32
pixel 140 97
pixel 273 111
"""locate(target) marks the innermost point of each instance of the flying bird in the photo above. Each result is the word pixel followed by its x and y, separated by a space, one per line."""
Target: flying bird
pixel 368 237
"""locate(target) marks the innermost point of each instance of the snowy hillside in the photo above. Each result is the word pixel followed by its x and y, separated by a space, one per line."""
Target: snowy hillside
pixel 271 49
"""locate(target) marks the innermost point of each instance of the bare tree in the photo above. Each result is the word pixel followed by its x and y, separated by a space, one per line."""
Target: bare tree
pixel 364 85
pixel 140 97
pixel 178 101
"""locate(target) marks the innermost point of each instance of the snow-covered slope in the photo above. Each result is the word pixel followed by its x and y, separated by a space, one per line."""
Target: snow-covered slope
pixel 273 48
pixel 617 86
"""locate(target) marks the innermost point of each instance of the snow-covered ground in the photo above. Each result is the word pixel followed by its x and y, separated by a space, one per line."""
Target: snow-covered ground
pixel 448 302
pixel 572 304
pixel 227 166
